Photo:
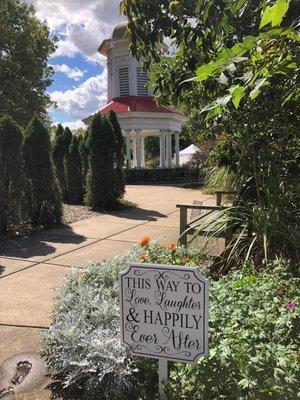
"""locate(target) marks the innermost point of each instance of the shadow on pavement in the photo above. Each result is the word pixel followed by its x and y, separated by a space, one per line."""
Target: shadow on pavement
pixel 1 269
pixel 36 245
pixel 137 213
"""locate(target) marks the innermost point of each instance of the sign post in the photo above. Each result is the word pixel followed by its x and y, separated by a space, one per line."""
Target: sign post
pixel 164 314
pixel 162 376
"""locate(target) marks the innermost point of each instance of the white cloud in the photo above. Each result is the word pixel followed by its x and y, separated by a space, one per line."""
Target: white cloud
pixel 65 48
pixel 75 125
pixel 80 24
pixel 84 100
pixel 72 73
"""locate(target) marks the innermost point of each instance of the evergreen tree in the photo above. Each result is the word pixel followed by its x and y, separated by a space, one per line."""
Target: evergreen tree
pixel 119 178
pixel 74 173
pixel 13 206
pixel 43 193
pixel 58 156
pixel 100 193
pixel 84 154
pixel 67 143
pixel 67 138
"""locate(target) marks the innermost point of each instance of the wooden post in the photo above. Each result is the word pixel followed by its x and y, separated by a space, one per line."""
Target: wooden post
pixel 219 198
pixel 163 377
pixel 183 225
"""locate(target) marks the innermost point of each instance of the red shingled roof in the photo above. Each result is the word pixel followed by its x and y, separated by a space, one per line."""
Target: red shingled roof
pixel 136 104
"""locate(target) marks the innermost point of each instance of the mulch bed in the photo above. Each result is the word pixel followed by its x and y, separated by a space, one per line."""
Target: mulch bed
pixel 73 213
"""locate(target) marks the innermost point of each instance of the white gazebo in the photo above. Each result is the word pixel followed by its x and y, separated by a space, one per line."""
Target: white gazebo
pixel 136 109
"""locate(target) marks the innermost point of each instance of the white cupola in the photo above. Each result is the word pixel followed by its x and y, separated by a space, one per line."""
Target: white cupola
pixel 125 75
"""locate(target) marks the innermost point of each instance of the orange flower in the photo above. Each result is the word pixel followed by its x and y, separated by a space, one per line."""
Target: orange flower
pixel 145 241
pixel 143 257
pixel 172 246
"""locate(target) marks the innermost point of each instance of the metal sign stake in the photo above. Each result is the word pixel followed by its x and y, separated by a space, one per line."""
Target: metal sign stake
pixel 163 377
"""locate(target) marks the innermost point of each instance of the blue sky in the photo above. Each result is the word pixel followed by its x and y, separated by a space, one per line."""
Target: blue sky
pixel 79 86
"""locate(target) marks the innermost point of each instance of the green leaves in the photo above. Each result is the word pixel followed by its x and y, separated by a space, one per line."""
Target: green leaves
pixel 213 113
pixel 253 353
pixel 207 70
pixel 24 72
pixel 274 14
pixel 237 92
pixel 259 84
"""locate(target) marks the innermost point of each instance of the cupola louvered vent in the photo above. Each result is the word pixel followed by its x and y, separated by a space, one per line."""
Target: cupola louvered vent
pixel 124 82
pixel 142 80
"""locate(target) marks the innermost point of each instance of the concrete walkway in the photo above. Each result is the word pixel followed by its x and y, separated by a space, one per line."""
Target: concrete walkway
pixel 30 267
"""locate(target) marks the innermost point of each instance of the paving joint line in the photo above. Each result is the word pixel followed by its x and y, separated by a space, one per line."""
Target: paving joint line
pixel 23 326
pixel 20 270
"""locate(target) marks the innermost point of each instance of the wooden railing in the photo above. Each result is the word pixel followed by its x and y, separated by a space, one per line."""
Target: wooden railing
pixel 188 225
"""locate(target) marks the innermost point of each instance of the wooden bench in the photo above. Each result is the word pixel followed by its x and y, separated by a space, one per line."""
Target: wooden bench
pixel 206 216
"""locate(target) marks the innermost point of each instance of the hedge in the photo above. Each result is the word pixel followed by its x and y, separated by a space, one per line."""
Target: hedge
pixel 166 175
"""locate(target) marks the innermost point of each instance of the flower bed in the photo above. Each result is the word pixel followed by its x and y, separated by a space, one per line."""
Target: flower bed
pixel 254 325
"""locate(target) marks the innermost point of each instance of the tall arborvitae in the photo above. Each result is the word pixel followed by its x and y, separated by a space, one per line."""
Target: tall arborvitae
pixel 74 173
pixel 13 205
pixel 119 179
pixel 58 156
pixel 67 140
pixel 84 154
pixel 43 193
pixel 100 193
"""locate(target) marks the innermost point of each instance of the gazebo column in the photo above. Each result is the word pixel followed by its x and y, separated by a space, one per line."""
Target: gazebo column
pixel 168 150
pixel 138 150
pixel 128 151
pixel 134 151
pixel 177 149
pixel 162 150
pixel 143 152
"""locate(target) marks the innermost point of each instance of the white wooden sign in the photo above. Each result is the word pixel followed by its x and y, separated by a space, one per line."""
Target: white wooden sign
pixel 164 311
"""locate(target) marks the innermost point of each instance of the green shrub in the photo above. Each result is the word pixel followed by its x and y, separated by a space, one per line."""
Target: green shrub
pixel 219 178
pixel 73 171
pixel 152 148
pixel 67 138
pixel 58 156
pixel 119 179
pixel 263 225
pixel 84 154
pixel 13 205
pixel 66 161
pixel 254 340
pixel 156 175
pixel 100 191
pixel 42 191
pixel 254 335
